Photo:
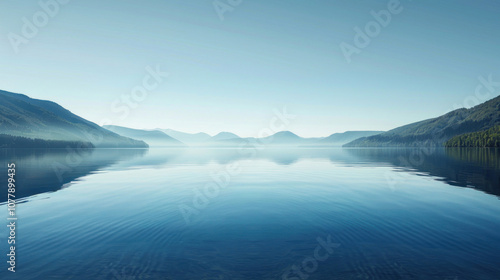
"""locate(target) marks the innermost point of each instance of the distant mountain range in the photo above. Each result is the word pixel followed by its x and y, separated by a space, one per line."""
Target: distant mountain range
pixel 187 138
pixel 46 120
pixel 288 138
pixel 25 121
pixel 284 138
pixel 29 122
pixel 436 131
pixel 151 137
pixel 201 138
pixel 159 137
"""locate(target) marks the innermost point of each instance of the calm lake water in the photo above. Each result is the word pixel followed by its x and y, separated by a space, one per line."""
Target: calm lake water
pixel 254 214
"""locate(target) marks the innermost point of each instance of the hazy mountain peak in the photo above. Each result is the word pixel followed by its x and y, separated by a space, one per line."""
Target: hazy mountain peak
pixel 152 137
pixel 286 134
pixel 225 136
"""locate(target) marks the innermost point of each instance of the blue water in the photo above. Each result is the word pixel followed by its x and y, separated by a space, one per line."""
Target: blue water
pixel 255 214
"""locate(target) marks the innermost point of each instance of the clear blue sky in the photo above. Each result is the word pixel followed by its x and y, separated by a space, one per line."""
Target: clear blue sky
pixel 229 75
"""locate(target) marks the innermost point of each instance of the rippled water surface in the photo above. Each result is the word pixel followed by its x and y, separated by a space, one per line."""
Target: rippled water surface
pixel 255 214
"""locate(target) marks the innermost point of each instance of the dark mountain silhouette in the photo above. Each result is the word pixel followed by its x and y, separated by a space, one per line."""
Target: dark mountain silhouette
pixel 436 131
pixel 486 138
pixel 40 119
pixel 9 141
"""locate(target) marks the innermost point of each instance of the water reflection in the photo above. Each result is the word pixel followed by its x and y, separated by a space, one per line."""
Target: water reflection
pixel 124 221
pixel 477 168
pixel 48 170
pixel 41 171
